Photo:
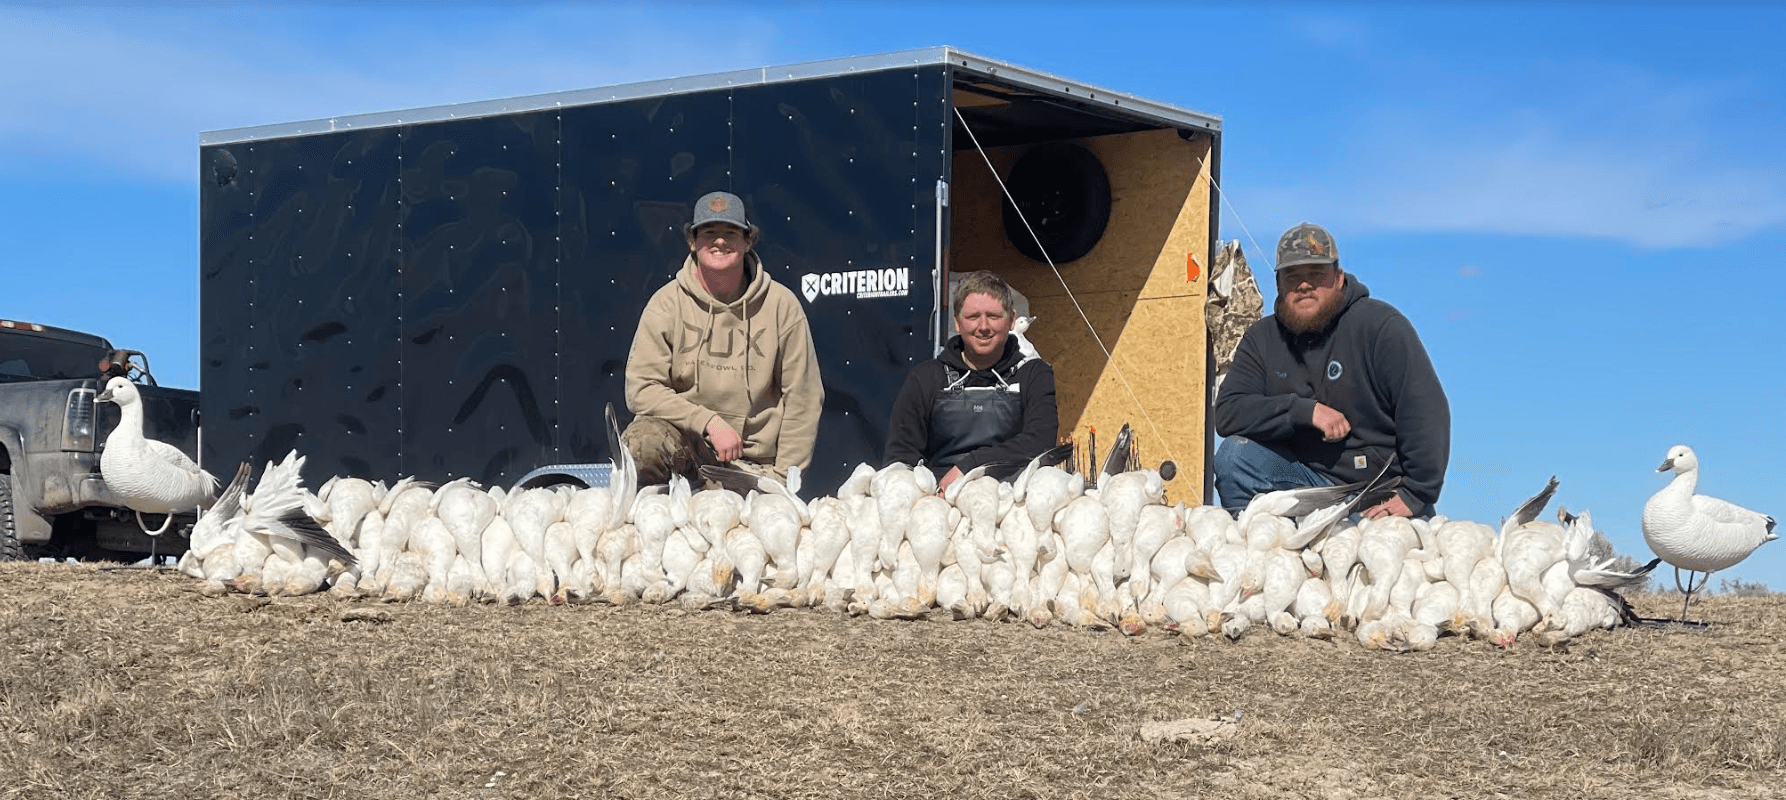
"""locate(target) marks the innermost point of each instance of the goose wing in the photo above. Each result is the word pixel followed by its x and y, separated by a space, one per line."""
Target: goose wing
pixel 297 526
pixel 280 489
pixel 954 489
pixel 1728 513
pixel 1528 510
pixel 173 457
pixel 229 504
pixel 1048 458
pixel 1298 502
pixel 623 481
pixel 1318 521
pixel 744 482
pixel 1121 453
pixel 1602 576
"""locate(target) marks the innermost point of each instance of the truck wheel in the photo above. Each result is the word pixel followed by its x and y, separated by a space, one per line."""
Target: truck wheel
pixel 10 549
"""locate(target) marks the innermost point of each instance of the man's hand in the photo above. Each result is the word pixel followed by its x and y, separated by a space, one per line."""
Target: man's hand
pixel 1334 425
pixel 1393 507
pixel 954 472
pixel 727 445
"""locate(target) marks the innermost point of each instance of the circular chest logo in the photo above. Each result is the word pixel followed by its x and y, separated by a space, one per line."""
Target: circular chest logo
pixel 1334 370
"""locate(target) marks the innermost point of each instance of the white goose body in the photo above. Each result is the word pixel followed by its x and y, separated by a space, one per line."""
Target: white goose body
pixel 148 475
pixel 829 534
pixel 1695 532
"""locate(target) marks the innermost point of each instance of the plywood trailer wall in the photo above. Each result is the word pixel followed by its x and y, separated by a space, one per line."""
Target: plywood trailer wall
pixel 1141 287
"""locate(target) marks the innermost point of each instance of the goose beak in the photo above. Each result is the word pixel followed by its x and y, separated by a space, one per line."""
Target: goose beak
pixel 1667 464
pixel 104 397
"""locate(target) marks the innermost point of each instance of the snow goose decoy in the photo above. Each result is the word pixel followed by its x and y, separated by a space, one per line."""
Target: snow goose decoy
pixel 1019 327
pixel 146 475
pixel 1695 532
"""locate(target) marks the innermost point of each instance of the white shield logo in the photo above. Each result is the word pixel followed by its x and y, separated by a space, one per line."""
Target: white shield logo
pixel 809 286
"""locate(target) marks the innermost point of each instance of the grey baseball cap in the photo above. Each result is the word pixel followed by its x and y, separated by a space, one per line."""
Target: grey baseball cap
pixel 1307 243
pixel 719 207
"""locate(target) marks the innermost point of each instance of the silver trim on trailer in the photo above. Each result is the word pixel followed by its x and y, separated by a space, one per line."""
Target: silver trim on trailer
pixel 1116 103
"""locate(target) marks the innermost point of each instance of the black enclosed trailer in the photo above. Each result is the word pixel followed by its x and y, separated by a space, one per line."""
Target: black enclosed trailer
pixel 452 291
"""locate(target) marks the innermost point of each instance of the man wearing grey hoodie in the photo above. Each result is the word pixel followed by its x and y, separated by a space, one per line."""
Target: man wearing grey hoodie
pixel 722 368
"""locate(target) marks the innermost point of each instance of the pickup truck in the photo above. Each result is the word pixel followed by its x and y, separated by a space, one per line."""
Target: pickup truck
pixel 53 500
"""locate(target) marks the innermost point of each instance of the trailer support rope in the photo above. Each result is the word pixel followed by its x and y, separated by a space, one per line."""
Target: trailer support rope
pixel 1108 358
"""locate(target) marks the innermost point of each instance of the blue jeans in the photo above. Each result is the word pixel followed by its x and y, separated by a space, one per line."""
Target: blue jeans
pixel 1244 468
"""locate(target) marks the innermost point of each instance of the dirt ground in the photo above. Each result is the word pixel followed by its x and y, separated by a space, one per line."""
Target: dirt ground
pixel 132 684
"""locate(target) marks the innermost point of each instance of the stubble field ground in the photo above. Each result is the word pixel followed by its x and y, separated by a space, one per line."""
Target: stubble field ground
pixel 130 684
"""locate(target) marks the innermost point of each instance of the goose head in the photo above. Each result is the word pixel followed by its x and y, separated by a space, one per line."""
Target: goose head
pixel 121 391
pixel 1680 459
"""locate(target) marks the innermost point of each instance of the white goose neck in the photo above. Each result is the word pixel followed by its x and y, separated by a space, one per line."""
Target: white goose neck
pixel 130 421
pixel 1684 483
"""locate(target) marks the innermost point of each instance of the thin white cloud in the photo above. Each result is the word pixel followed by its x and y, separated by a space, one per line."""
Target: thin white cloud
pixel 131 93
pixel 1332 33
pixel 1612 154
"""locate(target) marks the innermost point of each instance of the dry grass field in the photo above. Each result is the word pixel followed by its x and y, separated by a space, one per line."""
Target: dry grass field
pixel 132 685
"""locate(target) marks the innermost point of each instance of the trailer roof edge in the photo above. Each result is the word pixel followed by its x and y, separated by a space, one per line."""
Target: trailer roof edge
pixel 991 69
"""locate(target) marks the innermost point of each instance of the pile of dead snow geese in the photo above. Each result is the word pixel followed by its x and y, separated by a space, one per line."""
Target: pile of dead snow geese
pixel 1044 548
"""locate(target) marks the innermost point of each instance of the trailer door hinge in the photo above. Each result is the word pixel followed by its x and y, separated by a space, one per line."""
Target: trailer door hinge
pixel 942 192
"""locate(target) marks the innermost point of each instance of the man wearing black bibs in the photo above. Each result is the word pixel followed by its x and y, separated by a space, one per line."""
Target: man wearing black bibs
pixel 981 400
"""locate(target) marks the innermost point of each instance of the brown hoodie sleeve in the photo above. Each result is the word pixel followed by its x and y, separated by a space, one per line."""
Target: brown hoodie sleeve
pixel 648 389
pixel 803 393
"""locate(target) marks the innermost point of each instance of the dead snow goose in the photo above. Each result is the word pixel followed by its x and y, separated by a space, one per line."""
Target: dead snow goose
pixel 571 579
pixel 1695 532
pixel 466 510
pixel 273 516
pixel 751 559
pixel 529 514
pixel 895 489
pixel 1124 495
pixel 976 498
pixel 434 541
pixel 829 535
pixel 865 547
pixel 1154 527
pixel 929 533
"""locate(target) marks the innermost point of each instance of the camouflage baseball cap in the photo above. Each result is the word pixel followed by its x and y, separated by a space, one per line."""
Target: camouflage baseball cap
pixel 719 207
pixel 1307 243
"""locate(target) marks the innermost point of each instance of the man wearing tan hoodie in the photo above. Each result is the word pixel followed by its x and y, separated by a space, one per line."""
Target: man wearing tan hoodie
pixel 722 368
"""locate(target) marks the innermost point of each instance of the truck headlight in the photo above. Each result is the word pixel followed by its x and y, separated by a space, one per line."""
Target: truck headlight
pixel 79 421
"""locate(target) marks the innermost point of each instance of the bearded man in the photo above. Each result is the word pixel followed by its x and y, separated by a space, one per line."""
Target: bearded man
pixel 1329 387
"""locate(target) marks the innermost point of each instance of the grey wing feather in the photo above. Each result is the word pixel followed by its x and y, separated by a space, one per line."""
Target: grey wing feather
pixel 1117 461
pixel 297 526
pixel 1529 509
pixel 229 503
pixel 1314 498
pixel 1600 577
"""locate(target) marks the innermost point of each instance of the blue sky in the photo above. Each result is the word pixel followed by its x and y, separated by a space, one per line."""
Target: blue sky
pixel 1582 207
